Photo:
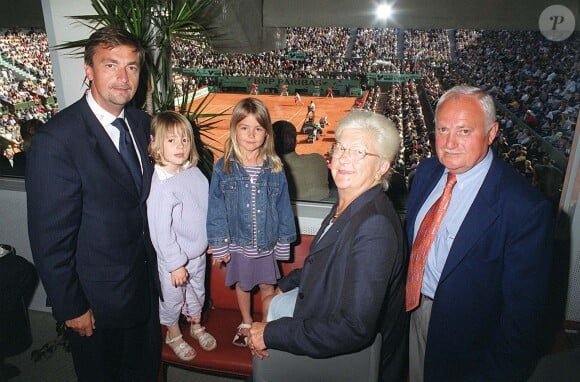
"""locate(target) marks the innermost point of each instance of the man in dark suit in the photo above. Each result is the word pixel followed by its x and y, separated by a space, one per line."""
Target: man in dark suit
pixel 87 218
pixel 485 278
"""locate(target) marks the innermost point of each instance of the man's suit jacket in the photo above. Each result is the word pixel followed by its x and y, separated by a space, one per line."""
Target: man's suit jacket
pixel 87 221
pixel 488 307
pixel 351 287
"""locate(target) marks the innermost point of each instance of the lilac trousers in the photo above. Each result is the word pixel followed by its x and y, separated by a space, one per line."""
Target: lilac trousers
pixel 188 298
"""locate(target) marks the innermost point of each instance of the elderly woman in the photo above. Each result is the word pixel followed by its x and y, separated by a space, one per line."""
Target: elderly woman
pixel 352 284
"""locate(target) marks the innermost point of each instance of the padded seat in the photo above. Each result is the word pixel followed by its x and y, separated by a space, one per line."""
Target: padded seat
pixel 222 321
pixel 227 359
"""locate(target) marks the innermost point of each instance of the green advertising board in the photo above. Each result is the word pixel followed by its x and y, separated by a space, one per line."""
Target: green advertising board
pixel 391 77
pixel 296 55
pixel 202 72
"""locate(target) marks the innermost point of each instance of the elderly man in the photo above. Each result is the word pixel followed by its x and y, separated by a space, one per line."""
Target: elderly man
pixel 479 269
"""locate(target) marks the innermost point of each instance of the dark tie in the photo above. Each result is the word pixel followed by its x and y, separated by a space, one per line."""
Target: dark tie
pixel 127 150
pixel 425 236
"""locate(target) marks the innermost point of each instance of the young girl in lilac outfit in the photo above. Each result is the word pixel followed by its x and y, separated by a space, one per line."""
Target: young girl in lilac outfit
pixel 177 209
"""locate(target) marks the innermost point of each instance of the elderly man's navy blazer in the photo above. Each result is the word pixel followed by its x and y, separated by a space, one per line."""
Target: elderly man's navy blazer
pixel 87 220
pixel 351 287
pixel 488 307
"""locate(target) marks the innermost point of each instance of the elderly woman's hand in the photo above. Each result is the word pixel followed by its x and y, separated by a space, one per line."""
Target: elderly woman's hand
pixel 256 340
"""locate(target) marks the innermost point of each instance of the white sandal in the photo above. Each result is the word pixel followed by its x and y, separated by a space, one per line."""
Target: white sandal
pixel 182 349
pixel 206 341
pixel 241 338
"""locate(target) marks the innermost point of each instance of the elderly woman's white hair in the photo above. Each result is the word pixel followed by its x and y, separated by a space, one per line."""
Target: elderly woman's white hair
pixel 386 138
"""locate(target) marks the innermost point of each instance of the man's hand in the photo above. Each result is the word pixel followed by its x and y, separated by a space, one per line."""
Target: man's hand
pixel 83 325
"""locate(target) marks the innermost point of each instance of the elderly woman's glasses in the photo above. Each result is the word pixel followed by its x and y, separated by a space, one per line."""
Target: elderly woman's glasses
pixel 356 152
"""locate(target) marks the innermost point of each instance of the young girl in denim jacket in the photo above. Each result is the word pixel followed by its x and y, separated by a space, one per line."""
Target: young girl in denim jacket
pixel 177 208
pixel 250 222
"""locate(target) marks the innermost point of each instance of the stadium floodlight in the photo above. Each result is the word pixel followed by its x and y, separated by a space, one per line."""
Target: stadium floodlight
pixel 384 11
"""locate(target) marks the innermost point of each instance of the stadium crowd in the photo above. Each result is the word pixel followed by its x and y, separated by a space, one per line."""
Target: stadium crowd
pixel 433 46
pixel 534 80
pixel 26 81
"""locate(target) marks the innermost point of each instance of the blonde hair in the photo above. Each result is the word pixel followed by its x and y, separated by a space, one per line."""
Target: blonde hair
pixel 167 122
pixel 256 108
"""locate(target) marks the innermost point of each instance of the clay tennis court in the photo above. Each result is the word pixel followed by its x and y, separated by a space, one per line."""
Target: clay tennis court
pixel 283 107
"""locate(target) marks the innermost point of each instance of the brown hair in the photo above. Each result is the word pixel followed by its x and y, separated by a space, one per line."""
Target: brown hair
pixel 284 137
pixel 111 37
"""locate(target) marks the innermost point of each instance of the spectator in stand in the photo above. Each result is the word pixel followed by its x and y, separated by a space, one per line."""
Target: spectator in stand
pixel 307 174
pixel 530 119
pixel 5 163
pixel 509 124
pixel 27 130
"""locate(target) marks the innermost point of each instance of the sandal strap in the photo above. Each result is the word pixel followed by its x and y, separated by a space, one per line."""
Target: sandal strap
pixel 182 349
pixel 205 338
pixel 240 339
pixel 172 340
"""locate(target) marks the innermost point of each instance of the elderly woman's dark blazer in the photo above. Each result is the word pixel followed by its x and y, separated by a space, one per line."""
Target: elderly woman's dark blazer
pixel 352 286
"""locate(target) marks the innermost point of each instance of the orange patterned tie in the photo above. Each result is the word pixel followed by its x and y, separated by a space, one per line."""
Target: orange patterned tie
pixel 427 231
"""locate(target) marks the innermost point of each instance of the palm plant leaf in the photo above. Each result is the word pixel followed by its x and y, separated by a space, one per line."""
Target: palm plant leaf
pixel 201 123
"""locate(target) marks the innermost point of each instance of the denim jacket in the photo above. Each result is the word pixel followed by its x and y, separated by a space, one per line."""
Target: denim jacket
pixel 229 219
